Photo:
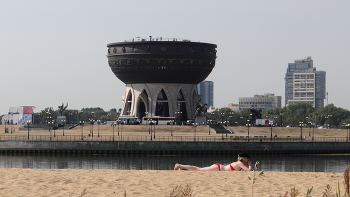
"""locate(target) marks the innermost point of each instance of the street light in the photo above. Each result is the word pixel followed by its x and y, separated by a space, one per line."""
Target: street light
pixel 195 130
pixel 270 123
pixel 227 123
pixel 222 132
pixel 113 125
pixel 171 127
pixel 28 122
pixel 301 130
pixel 146 115
pixel 82 130
pixel 154 129
pixel 222 117
pixel 248 124
pixel 209 121
pixel 150 127
pixel 5 125
pixel 179 117
pixel 309 125
pixel 54 130
pixel 62 122
pixel 98 128
pixel 92 121
pixel 118 122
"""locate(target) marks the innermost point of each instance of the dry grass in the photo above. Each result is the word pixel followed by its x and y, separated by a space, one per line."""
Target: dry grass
pixel 182 191
pixel 346 180
pixel 83 193
pixel 328 192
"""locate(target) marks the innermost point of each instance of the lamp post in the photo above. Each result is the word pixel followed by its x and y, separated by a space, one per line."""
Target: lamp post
pixel 195 130
pixel 222 132
pixel 179 117
pixel 171 127
pixel 209 121
pixel 49 120
pixel 92 121
pixel 329 117
pixel 49 123
pixel 146 115
pixel 63 123
pixel 98 128
pixel 118 122
pixel 54 130
pixel 82 130
pixel 222 117
pixel 309 125
pixel 270 123
pixel 28 122
pixel 248 124
pixel 227 123
pixel 281 115
pixel 150 128
pixel 301 130
pixel 113 125
pixel 5 125
pixel 154 129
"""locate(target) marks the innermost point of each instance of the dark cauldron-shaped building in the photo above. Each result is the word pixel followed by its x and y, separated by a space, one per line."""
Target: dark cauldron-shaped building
pixel 161 75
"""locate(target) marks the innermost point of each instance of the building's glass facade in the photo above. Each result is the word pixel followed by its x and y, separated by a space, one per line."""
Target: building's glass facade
pixel 206 90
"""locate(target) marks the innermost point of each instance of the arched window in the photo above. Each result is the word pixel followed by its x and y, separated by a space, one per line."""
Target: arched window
pixel 127 108
pixel 181 112
pixel 162 107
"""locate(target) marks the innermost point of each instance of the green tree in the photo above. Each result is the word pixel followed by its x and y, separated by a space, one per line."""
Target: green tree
pixel 293 114
pixel 332 116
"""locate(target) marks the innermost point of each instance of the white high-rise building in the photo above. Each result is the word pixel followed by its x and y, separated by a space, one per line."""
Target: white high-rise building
pixel 304 84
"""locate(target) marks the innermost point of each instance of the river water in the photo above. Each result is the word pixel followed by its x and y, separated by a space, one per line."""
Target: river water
pixel 283 163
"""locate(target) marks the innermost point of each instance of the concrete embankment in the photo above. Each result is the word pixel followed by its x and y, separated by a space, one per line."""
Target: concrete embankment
pixel 172 147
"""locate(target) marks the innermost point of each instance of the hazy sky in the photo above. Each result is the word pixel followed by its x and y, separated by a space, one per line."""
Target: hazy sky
pixel 55 51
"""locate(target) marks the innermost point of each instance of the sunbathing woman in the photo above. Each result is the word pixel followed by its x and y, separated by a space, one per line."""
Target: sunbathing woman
pixel 241 163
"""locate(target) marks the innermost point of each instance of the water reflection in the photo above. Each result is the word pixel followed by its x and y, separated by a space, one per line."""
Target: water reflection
pixel 284 163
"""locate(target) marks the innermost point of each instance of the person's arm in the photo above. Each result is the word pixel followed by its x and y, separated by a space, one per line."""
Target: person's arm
pixel 246 167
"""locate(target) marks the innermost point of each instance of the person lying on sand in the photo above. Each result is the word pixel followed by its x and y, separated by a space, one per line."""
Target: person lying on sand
pixel 241 163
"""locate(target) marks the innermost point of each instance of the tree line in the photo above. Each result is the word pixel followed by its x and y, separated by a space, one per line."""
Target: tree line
pixel 292 115
pixel 73 116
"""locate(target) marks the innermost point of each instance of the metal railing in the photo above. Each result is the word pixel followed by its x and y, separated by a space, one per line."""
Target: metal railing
pixel 171 138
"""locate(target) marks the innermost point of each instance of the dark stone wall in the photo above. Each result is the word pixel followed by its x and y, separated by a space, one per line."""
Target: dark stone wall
pixel 170 147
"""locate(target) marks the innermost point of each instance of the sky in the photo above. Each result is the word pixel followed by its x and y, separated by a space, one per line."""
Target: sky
pixel 55 51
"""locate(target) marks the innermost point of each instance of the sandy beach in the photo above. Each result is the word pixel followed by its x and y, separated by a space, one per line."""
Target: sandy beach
pixel 150 183
pixel 73 182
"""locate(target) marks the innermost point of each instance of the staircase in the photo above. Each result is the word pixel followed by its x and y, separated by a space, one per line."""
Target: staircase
pixel 220 129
